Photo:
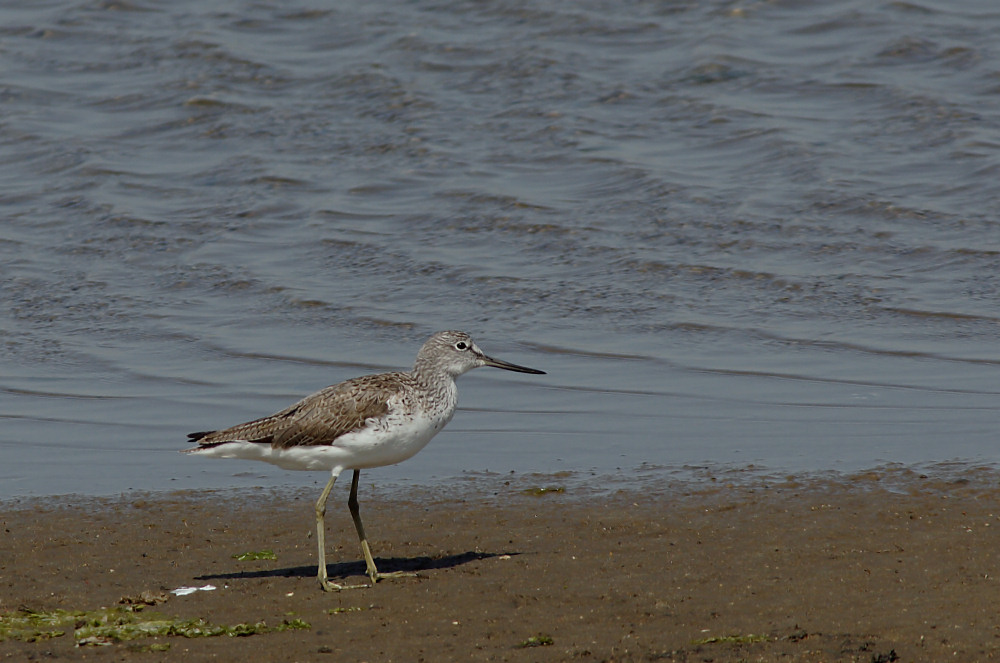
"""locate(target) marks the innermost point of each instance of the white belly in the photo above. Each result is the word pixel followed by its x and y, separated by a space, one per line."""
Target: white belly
pixel 384 441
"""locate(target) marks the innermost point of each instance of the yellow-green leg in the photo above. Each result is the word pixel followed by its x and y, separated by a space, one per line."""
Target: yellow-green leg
pixel 352 504
pixel 321 539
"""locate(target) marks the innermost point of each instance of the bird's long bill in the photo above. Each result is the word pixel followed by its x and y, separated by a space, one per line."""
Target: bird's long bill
pixel 507 366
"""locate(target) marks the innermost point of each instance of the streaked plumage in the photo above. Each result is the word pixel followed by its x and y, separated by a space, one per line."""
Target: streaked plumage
pixel 364 422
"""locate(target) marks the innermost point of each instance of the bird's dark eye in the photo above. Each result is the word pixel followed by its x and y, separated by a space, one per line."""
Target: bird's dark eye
pixel 461 345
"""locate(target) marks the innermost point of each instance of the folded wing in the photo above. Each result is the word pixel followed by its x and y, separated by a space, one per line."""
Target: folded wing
pixel 318 419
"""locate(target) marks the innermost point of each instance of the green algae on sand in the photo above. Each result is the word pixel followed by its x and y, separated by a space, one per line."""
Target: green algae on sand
pixel 110 625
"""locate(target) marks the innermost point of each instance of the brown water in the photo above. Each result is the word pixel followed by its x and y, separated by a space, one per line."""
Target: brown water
pixel 734 233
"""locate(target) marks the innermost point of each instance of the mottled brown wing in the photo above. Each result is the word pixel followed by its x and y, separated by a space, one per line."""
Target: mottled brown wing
pixel 317 419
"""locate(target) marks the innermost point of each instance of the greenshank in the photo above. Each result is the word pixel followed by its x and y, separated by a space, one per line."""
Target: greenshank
pixel 364 422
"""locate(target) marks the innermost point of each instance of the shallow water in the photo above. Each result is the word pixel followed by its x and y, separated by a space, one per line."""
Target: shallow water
pixel 734 233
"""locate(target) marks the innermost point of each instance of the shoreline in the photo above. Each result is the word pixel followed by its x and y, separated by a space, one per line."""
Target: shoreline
pixel 648 479
pixel 882 565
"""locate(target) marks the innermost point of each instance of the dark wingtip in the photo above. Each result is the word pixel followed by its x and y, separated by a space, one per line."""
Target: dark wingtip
pixel 194 437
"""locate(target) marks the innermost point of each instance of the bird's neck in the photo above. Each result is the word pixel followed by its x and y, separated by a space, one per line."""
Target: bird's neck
pixel 430 377
pixel 439 386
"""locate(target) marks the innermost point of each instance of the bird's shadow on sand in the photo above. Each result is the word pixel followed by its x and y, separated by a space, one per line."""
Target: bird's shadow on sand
pixel 345 569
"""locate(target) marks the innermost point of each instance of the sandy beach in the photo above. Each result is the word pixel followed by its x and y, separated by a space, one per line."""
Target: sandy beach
pixel 881 566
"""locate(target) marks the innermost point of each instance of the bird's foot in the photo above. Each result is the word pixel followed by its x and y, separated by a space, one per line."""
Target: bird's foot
pixel 378 575
pixel 334 587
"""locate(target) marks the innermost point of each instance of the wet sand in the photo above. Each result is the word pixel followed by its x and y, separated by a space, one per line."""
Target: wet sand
pixel 883 566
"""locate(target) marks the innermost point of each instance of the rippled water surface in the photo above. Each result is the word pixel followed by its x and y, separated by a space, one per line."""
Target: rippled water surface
pixel 734 233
